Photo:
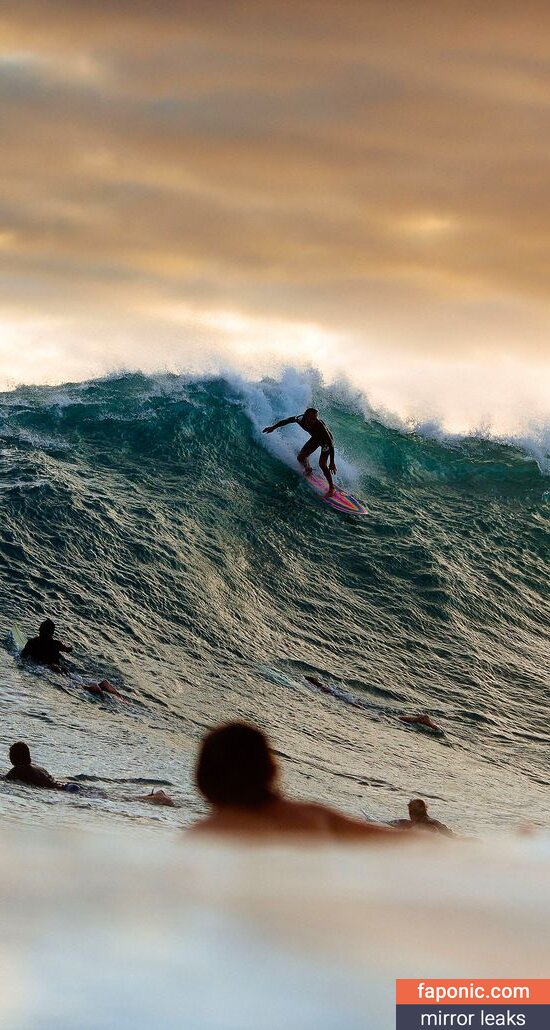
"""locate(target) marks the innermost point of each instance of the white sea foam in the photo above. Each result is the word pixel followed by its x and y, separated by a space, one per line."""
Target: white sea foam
pixel 289 391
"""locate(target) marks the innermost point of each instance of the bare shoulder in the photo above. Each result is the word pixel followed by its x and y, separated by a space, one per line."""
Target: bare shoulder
pixel 203 826
pixel 346 826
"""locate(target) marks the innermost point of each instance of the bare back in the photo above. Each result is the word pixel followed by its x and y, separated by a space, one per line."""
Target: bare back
pixel 280 817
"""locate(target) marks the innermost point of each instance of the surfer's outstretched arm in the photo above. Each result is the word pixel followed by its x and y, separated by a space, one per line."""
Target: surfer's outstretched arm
pixel 278 425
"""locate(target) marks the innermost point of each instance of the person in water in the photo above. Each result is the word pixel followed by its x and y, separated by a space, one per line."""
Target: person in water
pixel 424 721
pixel 320 436
pixel 420 820
pixel 23 771
pixel 237 773
pixel 157 797
pixel 102 688
pixel 45 649
pixel 317 683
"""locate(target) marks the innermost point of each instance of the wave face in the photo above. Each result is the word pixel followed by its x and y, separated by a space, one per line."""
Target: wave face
pixel 181 554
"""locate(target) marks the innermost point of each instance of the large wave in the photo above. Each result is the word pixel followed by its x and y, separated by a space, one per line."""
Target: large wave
pixel 189 561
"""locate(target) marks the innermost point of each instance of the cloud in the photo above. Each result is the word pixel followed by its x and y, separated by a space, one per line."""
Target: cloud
pixel 378 170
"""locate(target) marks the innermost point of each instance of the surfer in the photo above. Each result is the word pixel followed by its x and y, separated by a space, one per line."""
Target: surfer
pixel 320 436
pixel 102 688
pixel 317 683
pixel 237 773
pixel 420 820
pixel 23 771
pixel 424 722
pixel 157 797
pixel 45 649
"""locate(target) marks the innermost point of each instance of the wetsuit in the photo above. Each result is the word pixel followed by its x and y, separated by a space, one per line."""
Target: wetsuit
pixel 44 650
pixel 33 776
pixel 320 434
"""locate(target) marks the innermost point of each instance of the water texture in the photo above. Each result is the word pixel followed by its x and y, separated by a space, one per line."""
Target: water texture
pixel 179 551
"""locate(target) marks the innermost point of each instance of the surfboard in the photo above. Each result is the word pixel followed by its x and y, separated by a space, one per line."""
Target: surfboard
pixel 340 500
pixel 18 637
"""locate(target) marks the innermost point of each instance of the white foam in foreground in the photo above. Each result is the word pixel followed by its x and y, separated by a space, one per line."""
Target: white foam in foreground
pixel 124 931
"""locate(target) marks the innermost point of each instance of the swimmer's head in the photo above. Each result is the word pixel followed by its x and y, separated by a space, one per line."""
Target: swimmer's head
pixel 20 754
pixel 46 629
pixel 417 809
pixel 236 766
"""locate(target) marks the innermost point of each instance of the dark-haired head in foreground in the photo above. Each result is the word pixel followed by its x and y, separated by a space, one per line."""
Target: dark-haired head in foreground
pixel 237 774
pixel 236 767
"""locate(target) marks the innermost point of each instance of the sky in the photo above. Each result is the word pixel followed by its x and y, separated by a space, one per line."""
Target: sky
pixel 363 186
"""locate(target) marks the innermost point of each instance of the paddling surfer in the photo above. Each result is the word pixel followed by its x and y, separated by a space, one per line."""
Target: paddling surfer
pixel 45 649
pixel 420 820
pixel 320 436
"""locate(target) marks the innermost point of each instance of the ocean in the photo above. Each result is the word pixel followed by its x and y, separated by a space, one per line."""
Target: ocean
pixel 182 555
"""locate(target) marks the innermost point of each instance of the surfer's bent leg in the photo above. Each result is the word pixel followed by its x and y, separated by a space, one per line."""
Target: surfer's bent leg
pixel 304 454
pixel 323 465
